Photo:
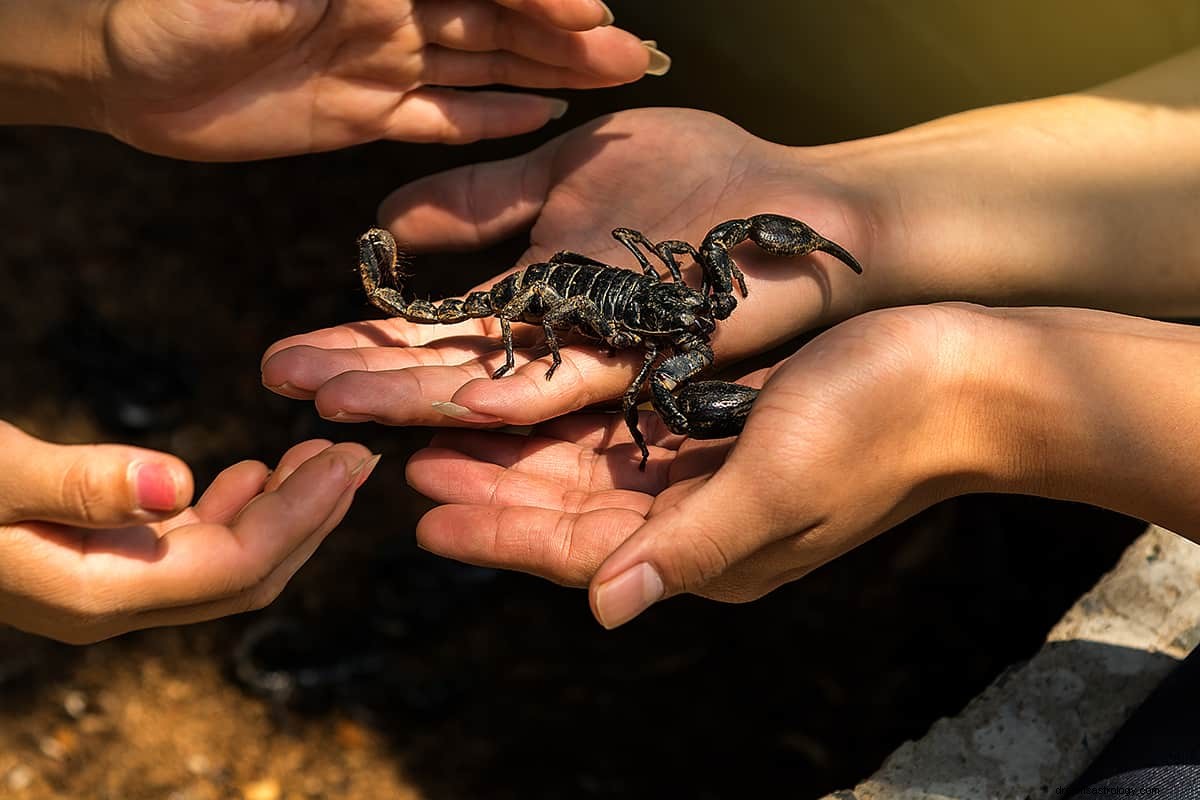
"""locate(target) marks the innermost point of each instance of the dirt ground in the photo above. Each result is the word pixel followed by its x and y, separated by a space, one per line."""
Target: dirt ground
pixel 139 290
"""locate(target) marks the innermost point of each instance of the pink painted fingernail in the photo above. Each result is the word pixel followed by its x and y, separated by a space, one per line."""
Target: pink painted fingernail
pixel 463 414
pixel 154 486
pixel 622 598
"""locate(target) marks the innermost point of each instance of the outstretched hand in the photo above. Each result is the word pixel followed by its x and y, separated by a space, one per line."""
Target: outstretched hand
pixel 97 540
pixel 862 428
pixel 232 80
pixel 671 173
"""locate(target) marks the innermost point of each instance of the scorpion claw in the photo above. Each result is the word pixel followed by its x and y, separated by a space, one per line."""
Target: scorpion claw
pixel 840 253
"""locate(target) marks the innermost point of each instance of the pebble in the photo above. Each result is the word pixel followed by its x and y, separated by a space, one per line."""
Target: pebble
pixel 19 778
pixel 75 704
pixel 267 789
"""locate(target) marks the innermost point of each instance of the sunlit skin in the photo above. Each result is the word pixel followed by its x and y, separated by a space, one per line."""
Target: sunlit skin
pixel 232 80
pixel 1087 199
pixel 81 561
pixel 89 546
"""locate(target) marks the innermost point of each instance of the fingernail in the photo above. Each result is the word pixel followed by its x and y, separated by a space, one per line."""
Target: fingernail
pixel 609 19
pixel 650 42
pixel 359 475
pixel 344 416
pixel 287 390
pixel 154 487
pixel 558 108
pixel 660 62
pixel 463 414
pixel 622 598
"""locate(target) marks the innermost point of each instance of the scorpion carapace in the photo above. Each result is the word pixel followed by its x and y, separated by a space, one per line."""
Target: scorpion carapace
pixel 622 309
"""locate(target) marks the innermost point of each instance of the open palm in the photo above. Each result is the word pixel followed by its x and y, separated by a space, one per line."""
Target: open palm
pixel 231 80
pixel 671 173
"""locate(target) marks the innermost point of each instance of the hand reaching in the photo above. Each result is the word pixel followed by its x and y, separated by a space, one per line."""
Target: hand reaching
pixel 232 80
pixel 98 540
pixel 671 173
pixel 859 430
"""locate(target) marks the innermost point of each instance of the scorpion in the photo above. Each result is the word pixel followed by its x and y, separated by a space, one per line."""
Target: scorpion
pixel 622 309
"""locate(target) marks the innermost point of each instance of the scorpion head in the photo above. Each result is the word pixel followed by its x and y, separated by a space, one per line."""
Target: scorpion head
pixel 673 308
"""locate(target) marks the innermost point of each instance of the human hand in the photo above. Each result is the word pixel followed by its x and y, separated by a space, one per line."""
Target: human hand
pixel 98 540
pixel 869 423
pixel 673 173
pixel 225 81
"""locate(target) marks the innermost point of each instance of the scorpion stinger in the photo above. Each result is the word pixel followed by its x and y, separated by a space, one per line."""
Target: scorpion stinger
pixel 622 309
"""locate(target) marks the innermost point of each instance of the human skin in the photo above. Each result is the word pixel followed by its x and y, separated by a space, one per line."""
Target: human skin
pixel 97 540
pixel 1087 199
pixel 230 80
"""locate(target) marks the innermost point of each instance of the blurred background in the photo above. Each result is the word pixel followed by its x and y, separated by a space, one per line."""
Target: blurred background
pixel 137 294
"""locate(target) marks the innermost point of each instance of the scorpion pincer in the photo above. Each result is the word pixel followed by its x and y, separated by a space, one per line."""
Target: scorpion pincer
pixel 623 309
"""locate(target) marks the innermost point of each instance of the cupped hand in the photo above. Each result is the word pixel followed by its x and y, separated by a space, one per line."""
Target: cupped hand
pixel 234 80
pixel 862 428
pixel 98 540
pixel 673 174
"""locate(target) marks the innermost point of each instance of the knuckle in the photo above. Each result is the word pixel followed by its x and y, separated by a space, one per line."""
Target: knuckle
pixel 87 489
pixel 703 559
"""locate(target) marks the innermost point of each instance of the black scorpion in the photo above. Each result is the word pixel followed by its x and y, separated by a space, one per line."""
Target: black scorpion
pixel 622 309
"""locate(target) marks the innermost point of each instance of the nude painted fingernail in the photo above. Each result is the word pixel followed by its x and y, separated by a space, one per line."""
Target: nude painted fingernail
pixel 622 598
pixel 462 413
pixel 345 416
pixel 363 471
pixel 609 19
pixel 650 42
pixel 660 62
pixel 154 487
pixel 558 108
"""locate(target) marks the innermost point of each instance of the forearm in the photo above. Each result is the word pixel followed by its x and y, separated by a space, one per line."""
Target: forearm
pixel 1088 406
pixel 1083 199
pixel 48 51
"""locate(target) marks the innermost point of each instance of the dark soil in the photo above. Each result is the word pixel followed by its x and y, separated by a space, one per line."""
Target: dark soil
pixel 139 290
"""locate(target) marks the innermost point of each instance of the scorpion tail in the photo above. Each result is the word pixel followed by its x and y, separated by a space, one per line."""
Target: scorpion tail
pixel 379 264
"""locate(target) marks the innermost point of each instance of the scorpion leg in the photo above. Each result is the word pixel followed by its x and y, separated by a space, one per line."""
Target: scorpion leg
pixel 629 405
pixel 509 357
pixel 631 239
pixel 672 373
pixel 555 310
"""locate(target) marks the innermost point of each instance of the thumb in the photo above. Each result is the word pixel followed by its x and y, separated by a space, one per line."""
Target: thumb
pixel 96 486
pixel 679 550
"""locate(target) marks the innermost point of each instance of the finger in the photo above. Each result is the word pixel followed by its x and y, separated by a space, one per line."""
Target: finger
pixel 448 116
pixel 586 376
pixel 293 459
pixel 208 562
pixel 564 548
pixel 300 371
pixel 563 465
pixel 481 27
pixel 450 476
pixel 471 207
pixel 87 485
pixel 393 332
pixel 684 548
pixel 408 396
pixel 230 491
pixel 267 590
pixel 446 67
pixel 571 15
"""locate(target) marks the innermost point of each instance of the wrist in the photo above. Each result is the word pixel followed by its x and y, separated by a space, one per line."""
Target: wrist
pixel 51 56
pixel 1046 202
